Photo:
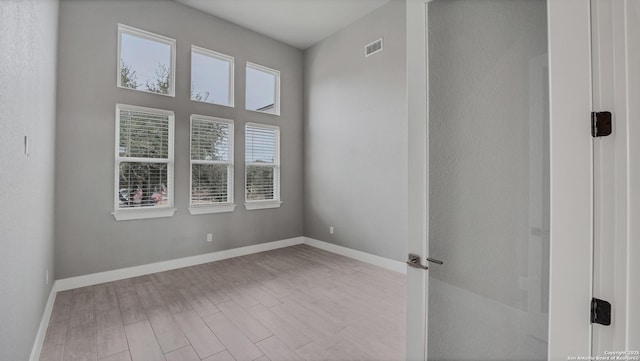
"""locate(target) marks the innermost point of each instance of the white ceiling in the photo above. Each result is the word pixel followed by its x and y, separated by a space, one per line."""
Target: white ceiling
pixel 300 23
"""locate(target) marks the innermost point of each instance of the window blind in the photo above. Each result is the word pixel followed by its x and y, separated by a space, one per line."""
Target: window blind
pixel 261 153
pixel 143 159
pixel 209 140
pixel 144 135
pixel 260 144
pixel 211 161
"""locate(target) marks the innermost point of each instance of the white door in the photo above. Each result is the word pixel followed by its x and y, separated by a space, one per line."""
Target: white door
pixel 489 179
pixel 500 179
pixel 616 278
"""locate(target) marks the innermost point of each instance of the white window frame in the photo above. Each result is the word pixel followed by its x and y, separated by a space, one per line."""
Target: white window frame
pixel 276 90
pixel 123 214
pixel 228 206
pixel 220 56
pixel 151 37
pixel 271 203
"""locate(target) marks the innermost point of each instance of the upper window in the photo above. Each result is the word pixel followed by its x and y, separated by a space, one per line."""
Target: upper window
pixel 211 77
pixel 211 165
pixel 262 166
pixel 262 89
pixel 144 163
pixel 146 61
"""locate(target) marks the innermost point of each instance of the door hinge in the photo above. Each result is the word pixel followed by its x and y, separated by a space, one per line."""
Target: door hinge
pixel 600 312
pixel 600 124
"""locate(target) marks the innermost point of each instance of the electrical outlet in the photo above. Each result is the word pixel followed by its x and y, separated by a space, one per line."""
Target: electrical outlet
pixel 46 277
pixel 209 237
pixel 331 229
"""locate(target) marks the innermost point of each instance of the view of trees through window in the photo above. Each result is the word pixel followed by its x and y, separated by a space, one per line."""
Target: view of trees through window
pixel 144 156
pixel 259 183
pixel 260 160
pixel 145 64
pixel 159 83
pixel 143 153
pixel 210 161
pixel 143 184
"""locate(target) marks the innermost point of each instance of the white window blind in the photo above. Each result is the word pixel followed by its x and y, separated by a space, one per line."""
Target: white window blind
pixel 262 173
pixel 211 161
pixel 144 158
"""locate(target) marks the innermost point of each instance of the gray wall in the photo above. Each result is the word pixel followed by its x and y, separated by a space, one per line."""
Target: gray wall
pixel 88 239
pixel 355 136
pixel 28 40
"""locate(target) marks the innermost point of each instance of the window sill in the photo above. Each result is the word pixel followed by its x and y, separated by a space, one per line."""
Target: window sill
pixel 262 205
pixel 145 213
pixel 218 208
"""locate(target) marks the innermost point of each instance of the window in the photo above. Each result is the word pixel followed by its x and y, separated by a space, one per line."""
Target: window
pixel 262 162
pixel 144 163
pixel 211 165
pixel 211 77
pixel 262 89
pixel 146 61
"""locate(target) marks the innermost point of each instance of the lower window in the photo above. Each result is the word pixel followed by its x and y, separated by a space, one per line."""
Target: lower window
pixel 144 163
pixel 211 165
pixel 262 166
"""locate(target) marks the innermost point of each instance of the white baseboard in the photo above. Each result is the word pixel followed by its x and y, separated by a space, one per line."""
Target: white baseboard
pixel 44 324
pixel 383 262
pixel 123 273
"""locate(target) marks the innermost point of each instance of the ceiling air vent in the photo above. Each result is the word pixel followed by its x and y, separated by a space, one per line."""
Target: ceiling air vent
pixel 373 48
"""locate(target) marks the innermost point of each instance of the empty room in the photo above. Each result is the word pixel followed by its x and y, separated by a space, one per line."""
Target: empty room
pixel 209 180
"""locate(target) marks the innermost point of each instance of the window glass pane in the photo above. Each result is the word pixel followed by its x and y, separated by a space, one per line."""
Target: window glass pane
pixel 209 140
pixel 209 183
pixel 144 135
pixel 260 145
pixel 260 90
pixel 145 64
pixel 210 79
pixel 259 183
pixel 142 185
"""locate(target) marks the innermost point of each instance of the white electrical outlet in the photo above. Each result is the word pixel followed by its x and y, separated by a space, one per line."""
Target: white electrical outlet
pixel 46 277
pixel 209 237
pixel 331 229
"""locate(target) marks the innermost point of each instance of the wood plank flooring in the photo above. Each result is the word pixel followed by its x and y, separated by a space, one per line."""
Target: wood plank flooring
pixel 295 303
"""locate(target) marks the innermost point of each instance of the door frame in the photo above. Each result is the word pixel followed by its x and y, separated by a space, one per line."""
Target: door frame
pixel 616 167
pixel 569 24
pixel 417 225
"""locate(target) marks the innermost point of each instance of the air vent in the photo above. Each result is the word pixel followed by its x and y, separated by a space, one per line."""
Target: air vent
pixel 373 48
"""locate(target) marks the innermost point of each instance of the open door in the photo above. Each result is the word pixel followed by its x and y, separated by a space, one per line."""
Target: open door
pixel 488 180
pixel 500 157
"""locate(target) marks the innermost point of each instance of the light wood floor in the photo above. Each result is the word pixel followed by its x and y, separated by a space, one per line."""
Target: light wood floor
pixel 295 303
